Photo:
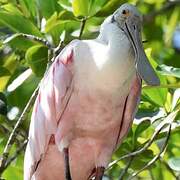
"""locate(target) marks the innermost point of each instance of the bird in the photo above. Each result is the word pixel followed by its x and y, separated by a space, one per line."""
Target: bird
pixel 87 101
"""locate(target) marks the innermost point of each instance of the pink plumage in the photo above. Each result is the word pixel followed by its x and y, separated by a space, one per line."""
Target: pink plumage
pixel 59 112
pixel 86 103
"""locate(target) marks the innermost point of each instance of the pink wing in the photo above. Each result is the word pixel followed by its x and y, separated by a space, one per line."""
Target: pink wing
pixel 130 108
pixel 47 108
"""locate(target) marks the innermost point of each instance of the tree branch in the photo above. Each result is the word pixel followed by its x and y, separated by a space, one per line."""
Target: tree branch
pixel 30 37
pixel 156 157
pixel 19 150
pixel 135 153
pixel 126 168
pixel 12 136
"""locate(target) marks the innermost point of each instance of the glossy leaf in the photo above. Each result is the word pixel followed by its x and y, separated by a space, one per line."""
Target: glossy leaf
pixel 37 59
pixel 18 23
pixel 174 163
pixel 141 127
pixel 80 7
pixel 157 95
pixel 10 64
pixel 48 7
pixel 169 70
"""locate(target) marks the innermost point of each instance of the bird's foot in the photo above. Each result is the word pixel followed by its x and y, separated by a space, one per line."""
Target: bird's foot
pixel 67 166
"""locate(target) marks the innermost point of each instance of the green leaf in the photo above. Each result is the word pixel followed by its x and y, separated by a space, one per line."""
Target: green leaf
pixel 169 70
pixel 15 170
pixel 66 15
pixel 12 8
pixel 37 59
pixel 95 6
pixel 65 4
pixel 10 64
pixel 141 127
pixel 110 7
pixel 157 95
pixel 55 26
pixel 28 7
pixel 25 90
pixel 16 41
pixel 4 72
pixel 48 7
pixel 18 23
pixel 80 7
pixel 172 23
pixel 174 163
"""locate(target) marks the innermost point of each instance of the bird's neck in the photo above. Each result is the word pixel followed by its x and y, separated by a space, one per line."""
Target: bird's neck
pixel 120 55
pixel 114 37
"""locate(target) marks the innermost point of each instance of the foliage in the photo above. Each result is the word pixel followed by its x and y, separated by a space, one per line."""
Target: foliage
pixel 23 62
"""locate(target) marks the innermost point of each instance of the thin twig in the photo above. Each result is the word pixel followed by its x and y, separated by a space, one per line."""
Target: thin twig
pixel 4 159
pixel 12 136
pixel 126 168
pixel 58 49
pixel 148 144
pixel 156 157
pixel 6 131
pixel 38 39
pixel 30 37
pixel 19 150
pixel 83 22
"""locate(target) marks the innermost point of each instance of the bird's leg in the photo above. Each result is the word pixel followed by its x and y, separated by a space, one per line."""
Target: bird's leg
pixel 99 173
pixel 66 161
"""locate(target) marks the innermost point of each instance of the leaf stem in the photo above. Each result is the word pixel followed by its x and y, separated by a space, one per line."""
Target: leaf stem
pixel 83 22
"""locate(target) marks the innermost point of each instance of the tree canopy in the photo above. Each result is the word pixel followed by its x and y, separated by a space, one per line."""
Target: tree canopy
pixel 33 32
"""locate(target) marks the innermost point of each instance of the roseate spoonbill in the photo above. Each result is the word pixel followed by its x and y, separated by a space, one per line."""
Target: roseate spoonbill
pixel 87 101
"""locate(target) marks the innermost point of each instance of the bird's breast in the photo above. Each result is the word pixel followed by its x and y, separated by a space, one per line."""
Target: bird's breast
pixel 104 67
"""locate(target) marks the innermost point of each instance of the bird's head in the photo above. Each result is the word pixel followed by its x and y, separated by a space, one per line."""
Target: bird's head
pixel 129 20
pixel 128 15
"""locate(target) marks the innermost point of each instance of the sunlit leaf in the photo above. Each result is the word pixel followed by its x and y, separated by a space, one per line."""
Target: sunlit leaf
pixel 18 23
pixel 169 70
pixel 10 64
pixel 12 8
pixel 174 163
pixel 80 7
pixel 28 7
pixel 48 7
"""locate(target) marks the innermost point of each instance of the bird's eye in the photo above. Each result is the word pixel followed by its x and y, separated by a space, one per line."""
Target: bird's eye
pixel 125 12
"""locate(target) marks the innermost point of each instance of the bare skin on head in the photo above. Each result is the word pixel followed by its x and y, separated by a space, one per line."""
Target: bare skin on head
pixel 87 102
